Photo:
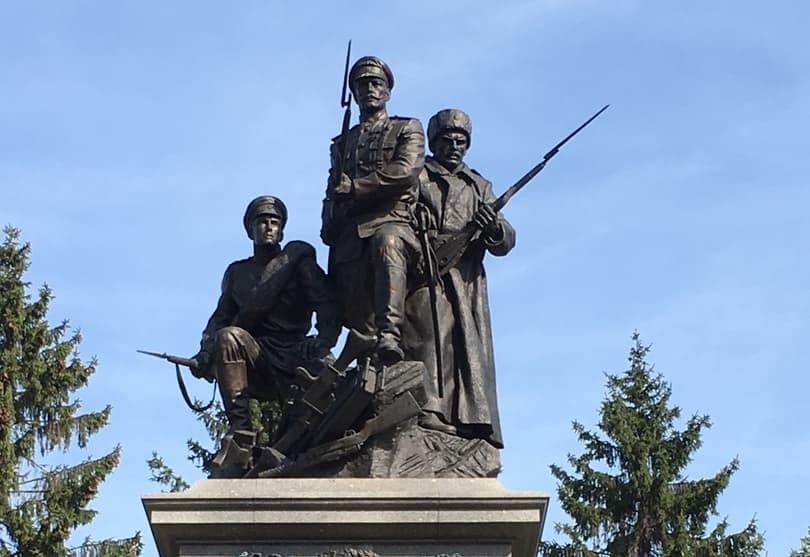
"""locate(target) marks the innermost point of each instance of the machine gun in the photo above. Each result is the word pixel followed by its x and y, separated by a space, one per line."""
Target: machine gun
pixel 451 247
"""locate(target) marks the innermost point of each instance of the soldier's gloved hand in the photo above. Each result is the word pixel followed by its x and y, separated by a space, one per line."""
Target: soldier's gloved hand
pixel 487 219
pixel 202 371
pixel 313 348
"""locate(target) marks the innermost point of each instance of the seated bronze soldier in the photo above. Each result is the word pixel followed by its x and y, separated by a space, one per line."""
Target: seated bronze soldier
pixel 258 334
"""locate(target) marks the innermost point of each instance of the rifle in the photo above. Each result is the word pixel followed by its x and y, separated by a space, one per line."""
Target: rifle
pixel 342 145
pixel 345 103
pixel 190 363
pixel 404 407
pixel 451 247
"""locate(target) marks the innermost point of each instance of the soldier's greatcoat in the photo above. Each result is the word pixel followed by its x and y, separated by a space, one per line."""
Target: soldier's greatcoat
pixel 469 402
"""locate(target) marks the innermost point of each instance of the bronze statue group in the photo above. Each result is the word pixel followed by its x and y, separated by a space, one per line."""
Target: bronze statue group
pixel 387 207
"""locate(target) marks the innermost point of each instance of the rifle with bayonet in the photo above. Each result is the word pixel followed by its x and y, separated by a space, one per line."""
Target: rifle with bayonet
pixel 451 247
pixel 341 145
pixel 346 104
pixel 193 365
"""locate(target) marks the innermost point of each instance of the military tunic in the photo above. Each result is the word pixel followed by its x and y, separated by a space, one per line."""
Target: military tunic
pixel 372 244
pixel 273 301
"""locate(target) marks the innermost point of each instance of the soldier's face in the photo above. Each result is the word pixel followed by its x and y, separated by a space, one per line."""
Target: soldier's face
pixel 449 148
pixel 266 230
pixel 371 92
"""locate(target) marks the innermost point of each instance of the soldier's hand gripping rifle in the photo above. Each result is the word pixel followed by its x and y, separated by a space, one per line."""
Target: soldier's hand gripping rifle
pixel 339 155
pixel 451 247
pixel 193 365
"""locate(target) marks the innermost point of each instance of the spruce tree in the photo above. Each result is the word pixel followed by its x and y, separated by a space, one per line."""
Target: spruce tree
pixel 627 492
pixel 804 548
pixel 40 370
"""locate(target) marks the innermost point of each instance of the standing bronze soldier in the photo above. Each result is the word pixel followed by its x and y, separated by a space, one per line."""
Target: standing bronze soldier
pixel 374 181
pixel 258 333
pixel 455 195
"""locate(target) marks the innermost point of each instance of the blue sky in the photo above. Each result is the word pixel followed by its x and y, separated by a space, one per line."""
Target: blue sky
pixel 132 135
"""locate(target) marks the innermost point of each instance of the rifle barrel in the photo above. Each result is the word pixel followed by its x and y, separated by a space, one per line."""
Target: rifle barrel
pixel 507 195
pixel 556 148
pixel 179 360
pixel 162 355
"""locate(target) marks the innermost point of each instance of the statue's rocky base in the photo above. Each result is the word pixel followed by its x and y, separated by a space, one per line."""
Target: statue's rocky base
pixel 305 517
pixel 392 443
pixel 411 451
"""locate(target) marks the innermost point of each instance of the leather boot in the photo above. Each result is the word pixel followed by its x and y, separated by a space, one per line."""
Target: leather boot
pixel 232 379
pixel 388 350
pixel 235 450
pixel 236 446
pixel 390 289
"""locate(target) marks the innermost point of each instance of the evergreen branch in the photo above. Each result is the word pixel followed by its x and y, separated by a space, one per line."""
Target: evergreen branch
pixel 59 428
pixel 162 474
pixel 59 473
pixel 804 548
pixel 128 547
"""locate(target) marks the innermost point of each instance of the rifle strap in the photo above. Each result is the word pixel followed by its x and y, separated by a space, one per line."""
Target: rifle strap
pixel 183 391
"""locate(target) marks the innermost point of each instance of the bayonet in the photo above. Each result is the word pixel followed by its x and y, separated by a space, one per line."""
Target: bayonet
pixel 339 150
pixel 507 195
pixel 190 363
pixel 346 104
pixel 451 247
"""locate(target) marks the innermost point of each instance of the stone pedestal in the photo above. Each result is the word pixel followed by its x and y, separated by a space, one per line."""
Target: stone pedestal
pixel 347 518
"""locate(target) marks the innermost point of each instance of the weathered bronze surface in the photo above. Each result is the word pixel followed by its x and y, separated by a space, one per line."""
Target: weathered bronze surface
pixel 463 398
pixel 368 210
pixel 257 335
pixel 412 393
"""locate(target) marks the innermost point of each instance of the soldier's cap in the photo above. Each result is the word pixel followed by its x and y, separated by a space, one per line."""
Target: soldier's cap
pixel 370 66
pixel 449 119
pixel 264 205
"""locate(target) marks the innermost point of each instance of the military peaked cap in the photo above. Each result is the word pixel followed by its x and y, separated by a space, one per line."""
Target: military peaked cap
pixel 368 66
pixel 265 205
